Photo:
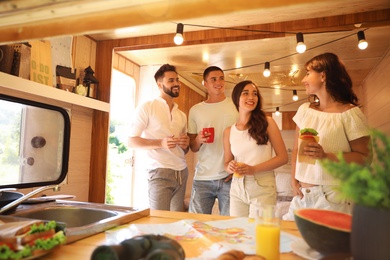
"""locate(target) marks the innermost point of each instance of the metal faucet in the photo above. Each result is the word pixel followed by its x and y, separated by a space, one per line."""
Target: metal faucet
pixel 27 196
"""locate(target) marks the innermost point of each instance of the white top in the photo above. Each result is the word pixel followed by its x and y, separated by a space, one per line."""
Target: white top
pixel 153 120
pixel 210 155
pixel 335 131
pixel 246 150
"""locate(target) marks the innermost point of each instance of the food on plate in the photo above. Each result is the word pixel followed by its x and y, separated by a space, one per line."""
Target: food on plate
pixel 23 239
pixel 326 231
pixel 306 135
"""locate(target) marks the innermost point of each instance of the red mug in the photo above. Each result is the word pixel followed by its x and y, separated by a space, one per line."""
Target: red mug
pixel 208 132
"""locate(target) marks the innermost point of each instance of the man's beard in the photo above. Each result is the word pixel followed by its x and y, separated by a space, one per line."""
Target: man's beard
pixel 169 91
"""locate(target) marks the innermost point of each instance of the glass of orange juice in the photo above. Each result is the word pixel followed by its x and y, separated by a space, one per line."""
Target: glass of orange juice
pixel 267 233
pixel 237 175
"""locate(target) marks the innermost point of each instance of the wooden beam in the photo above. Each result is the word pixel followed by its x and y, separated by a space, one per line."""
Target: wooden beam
pixel 260 31
pixel 121 14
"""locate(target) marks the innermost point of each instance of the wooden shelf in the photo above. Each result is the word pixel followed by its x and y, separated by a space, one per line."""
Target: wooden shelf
pixel 13 83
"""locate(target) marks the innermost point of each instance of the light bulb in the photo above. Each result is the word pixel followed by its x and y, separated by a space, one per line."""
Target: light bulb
pixel 277 113
pixel 362 44
pixel 266 71
pixel 301 47
pixel 295 95
pixel 178 39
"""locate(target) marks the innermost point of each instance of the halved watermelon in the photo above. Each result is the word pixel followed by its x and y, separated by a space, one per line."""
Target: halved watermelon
pixel 326 231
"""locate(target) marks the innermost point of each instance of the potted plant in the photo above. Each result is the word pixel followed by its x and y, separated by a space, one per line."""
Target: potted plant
pixel 368 186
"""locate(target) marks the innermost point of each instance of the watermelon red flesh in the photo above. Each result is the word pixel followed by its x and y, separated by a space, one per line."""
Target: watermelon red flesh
pixel 326 231
pixel 328 218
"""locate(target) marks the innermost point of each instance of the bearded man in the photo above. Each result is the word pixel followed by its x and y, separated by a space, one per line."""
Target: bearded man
pixel 161 128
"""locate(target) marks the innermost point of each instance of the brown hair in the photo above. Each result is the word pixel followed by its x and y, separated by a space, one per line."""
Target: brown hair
pixel 164 68
pixel 338 81
pixel 257 124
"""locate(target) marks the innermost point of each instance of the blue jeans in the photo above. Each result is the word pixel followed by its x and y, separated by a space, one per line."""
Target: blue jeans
pixel 204 194
pixel 167 188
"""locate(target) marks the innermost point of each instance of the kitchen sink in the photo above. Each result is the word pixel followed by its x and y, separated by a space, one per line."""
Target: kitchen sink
pixel 80 219
pixel 72 216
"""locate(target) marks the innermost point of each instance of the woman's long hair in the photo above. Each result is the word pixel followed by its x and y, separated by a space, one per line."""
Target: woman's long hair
pixel 257 124
pixel 338 81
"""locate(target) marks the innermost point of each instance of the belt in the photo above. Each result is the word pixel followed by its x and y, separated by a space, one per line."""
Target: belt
pixel 284 198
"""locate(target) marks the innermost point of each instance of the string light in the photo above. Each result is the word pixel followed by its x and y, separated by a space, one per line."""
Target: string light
pixel 361 38
pixel 295 95
pixel 301 47
pixel 277 113
pixel 178 39
pixel 266 71
pixel 269 31
pixel 362 44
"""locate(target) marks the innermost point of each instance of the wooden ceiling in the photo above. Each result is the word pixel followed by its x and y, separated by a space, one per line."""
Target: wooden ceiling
pixel 264 31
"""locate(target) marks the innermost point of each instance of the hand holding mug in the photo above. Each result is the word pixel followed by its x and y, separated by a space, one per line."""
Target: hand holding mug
pixel 208 134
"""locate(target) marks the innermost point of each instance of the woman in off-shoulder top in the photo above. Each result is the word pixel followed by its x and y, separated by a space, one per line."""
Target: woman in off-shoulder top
pixel 334 113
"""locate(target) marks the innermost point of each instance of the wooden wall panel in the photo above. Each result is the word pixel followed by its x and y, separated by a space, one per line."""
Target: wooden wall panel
pixel 79 153
pixel 100 124
pixel 376 95
pixel 83 55
pixel 126 66
pixel 287 122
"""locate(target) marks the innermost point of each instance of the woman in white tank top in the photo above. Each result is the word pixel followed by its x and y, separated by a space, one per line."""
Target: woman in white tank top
pixel 248 148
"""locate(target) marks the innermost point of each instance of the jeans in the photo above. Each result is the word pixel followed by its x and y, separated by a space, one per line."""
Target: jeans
pixel 204 194
pixel 167 188
pixel 319 197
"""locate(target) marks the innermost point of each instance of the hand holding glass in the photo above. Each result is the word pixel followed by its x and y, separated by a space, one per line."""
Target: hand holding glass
pixel 236 174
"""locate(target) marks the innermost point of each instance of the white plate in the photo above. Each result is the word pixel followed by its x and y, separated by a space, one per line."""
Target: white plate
pixel 301 248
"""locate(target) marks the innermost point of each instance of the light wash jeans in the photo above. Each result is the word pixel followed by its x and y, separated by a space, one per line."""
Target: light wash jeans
pixel 319 197
pixel 167 188
pixel 204 194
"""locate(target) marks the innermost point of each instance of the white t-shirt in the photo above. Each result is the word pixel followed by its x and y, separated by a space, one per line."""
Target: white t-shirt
pixel 210 156
pixel 153 120
pixel 335 131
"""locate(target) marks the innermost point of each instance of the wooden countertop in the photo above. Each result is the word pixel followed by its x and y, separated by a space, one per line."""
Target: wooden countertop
pixel 83 249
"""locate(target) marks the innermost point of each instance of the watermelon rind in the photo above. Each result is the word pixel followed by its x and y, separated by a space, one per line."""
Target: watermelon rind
pixel 325 238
